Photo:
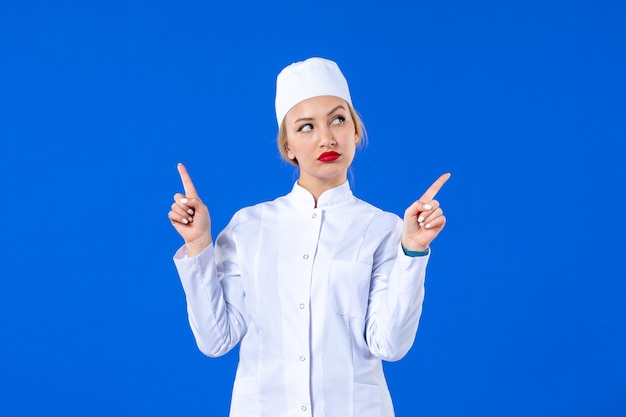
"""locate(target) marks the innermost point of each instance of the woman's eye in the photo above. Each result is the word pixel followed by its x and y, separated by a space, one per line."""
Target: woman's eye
pixel 338 120
pixel 305 128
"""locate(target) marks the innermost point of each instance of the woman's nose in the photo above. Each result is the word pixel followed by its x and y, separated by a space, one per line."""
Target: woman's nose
pixel 327 139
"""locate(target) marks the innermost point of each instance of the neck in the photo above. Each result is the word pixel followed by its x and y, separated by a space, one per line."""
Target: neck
pixel 317 188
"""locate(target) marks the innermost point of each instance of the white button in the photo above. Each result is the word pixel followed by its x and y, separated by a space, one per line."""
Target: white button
pixel 302 358
pixel 305 256
pixel 314 215
pixel 303 408
pixel 301 306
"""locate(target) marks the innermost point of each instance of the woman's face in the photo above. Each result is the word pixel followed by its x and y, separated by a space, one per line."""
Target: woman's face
pixel 322 137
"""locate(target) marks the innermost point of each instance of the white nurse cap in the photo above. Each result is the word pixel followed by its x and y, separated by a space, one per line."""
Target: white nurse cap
pixel 302 80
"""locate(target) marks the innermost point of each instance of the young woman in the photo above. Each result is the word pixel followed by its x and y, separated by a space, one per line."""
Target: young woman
pixel 317 286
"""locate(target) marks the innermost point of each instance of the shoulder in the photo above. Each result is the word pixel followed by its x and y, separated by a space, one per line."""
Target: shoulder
pixel 255 211
pixel 380 221
pixel 377 213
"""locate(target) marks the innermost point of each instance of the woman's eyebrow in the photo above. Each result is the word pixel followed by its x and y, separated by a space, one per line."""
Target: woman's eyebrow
pixel 335 109
pixel 302 119
pixel 308 119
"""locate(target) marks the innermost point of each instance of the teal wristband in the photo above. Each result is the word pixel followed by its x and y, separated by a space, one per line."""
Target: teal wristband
pixel 413 253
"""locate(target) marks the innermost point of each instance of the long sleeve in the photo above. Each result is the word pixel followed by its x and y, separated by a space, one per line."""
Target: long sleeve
pixel 215 297
pixel 395 298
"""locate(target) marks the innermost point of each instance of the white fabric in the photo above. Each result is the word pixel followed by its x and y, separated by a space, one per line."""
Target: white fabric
pixel 316 296
pixel 306 79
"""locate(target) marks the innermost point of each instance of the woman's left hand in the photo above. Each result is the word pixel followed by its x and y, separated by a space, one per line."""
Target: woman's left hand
pixel 424 219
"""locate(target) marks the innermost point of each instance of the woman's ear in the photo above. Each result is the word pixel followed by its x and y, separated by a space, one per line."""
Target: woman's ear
pixel 290 154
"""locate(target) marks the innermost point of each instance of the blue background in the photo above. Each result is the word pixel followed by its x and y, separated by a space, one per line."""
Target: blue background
pixel 524 102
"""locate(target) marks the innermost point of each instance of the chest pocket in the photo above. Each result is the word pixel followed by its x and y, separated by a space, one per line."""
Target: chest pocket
pixel 349 287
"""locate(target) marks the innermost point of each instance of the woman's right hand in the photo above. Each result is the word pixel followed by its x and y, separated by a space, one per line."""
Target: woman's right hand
pixel 190 216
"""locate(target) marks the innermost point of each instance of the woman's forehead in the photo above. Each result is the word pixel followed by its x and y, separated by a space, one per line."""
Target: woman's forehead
pixel 321 106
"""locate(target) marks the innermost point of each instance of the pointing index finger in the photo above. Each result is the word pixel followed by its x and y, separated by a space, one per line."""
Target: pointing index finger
pixel 432 191
pixel 190 190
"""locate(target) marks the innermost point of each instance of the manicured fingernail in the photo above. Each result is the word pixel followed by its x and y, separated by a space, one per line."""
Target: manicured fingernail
pixel 420 219
pixel 427 206
pixel 184 200
pixel 428 226
pixel 190 211
pixel 185 221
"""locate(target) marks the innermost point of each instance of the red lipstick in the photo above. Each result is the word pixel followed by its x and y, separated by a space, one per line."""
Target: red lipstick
pixel 328 156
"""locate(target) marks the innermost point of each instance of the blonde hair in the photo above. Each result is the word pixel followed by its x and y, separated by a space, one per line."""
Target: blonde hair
pixel 358 127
